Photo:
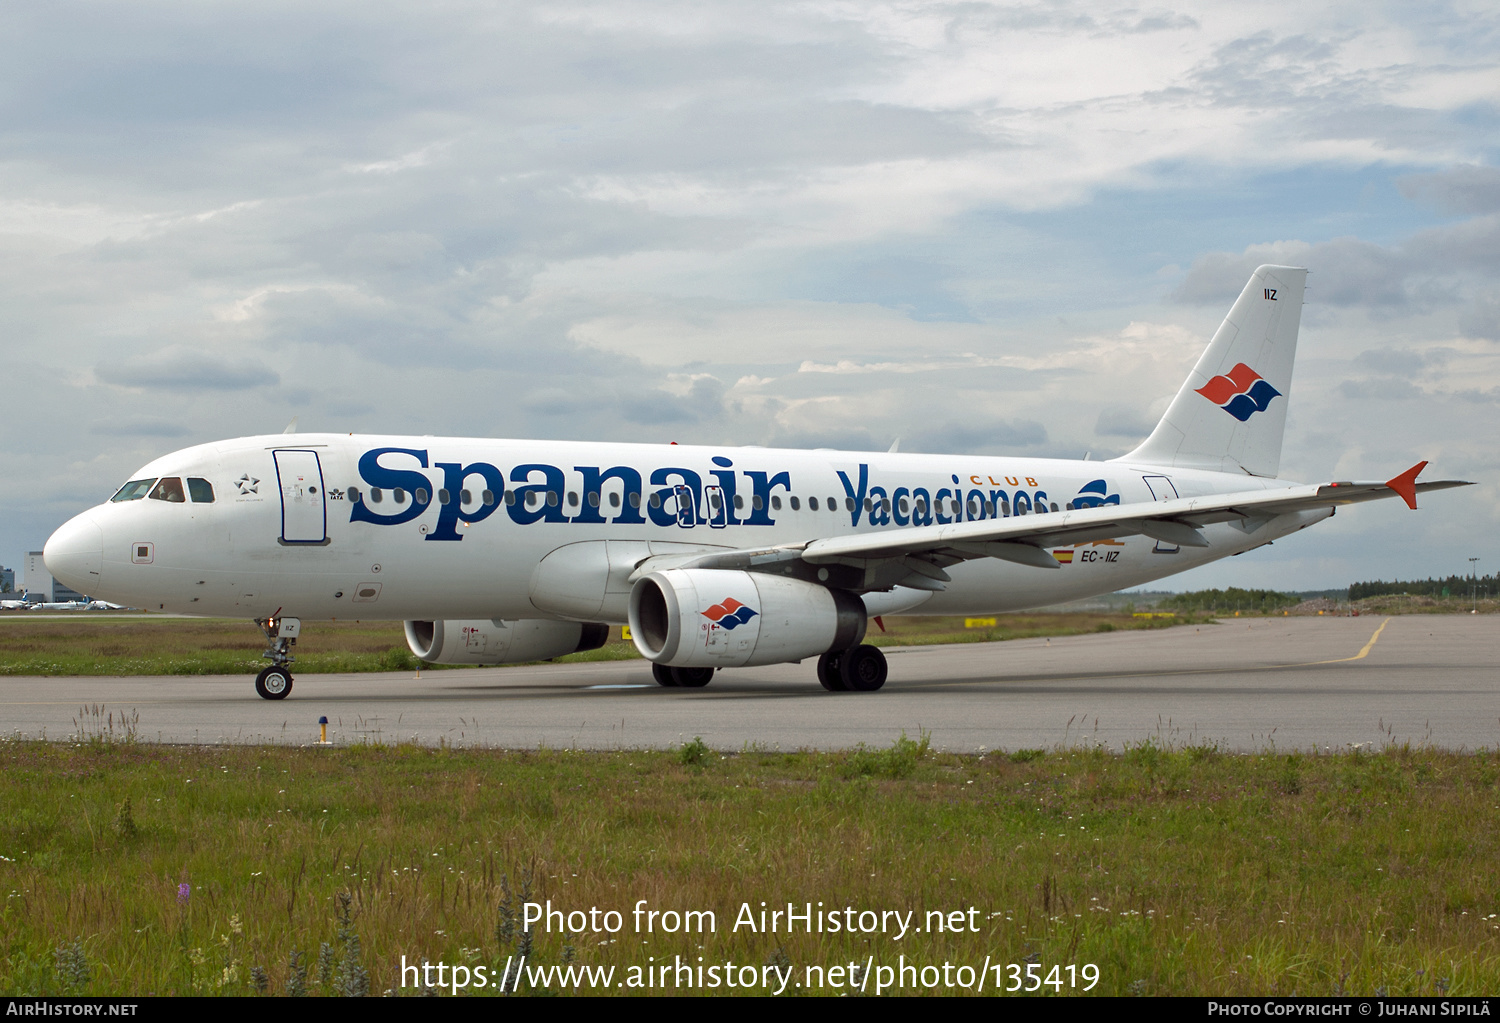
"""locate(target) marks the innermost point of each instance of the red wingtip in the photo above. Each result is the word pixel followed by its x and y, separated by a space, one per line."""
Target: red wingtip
pixel 1406 485
pixel 880 623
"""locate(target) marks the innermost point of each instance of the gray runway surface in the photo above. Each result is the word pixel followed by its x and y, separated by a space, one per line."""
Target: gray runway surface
pixel 1292 682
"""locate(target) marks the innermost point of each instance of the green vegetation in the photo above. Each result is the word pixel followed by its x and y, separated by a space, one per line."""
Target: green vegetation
pixel 234 870
pixel 1456 587
pixel 1232 599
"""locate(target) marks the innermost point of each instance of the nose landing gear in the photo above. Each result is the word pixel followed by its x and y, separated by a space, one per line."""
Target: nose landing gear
pixel 275 682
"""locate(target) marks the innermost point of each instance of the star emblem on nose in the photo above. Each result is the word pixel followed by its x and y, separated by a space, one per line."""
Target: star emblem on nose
pixel 248 484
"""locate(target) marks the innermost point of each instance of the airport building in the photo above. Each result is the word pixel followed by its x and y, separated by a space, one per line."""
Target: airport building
pixel 7 580
pixel 39 581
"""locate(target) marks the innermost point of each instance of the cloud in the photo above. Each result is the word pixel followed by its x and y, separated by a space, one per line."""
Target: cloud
pixel 176 369
pixel 1116 421
pixel 1434 267
pixel 579 219
pixel 129 427
pixel 1462 190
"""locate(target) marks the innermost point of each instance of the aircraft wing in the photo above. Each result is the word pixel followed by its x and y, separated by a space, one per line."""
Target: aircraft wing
pixel 916 556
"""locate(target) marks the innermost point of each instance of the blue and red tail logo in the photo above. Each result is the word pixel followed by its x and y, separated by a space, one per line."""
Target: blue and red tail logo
pixel 1242 393
pixel 729 614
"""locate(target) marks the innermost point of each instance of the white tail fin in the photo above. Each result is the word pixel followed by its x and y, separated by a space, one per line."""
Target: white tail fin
pixel 1231 411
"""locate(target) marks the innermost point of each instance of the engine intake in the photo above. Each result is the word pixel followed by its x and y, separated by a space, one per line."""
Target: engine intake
pixel 699 618
pixel 495 641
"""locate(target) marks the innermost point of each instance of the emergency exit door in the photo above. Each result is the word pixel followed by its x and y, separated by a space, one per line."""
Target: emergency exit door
pixel 304 515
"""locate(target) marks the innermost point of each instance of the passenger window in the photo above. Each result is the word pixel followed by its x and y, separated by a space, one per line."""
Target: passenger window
pixel 776 503
pixel 443 495
pixel 739 502
pixel 572 499
pixel 353 493
pixel 635 499
pixel 848 504
pixel 812 502
pixel 755 502
pixel 833 504
pixel 134 490
pixel 488 497
pixel 201 491
pixel 376 495
pixel 399 495
pixel 169 489
pixel 901 506
pixel 420 495
pixel 464 497
pixel 510 498
pixel 614 500
pixel 796 504
pixel 593 498
pixel 551 499
pixel 714 501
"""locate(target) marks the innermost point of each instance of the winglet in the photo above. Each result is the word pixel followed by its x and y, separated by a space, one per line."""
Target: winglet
pixel 1406 485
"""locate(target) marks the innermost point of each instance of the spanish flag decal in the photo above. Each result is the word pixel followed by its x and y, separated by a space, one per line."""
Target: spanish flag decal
pixel 1064 557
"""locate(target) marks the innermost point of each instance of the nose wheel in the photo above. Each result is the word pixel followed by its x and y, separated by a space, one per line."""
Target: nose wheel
pixel 273 683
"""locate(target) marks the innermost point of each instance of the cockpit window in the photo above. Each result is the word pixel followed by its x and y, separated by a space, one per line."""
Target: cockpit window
pixel 201 490
pixel 134 490
pixel 169 489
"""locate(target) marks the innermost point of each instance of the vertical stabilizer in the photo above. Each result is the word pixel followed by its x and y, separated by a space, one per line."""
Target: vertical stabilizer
pixel 1230 413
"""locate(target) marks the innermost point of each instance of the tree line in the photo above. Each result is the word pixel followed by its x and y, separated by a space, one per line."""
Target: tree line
pixel 1453 586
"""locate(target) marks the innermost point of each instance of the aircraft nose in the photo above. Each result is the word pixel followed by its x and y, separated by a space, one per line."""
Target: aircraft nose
pixel 75 553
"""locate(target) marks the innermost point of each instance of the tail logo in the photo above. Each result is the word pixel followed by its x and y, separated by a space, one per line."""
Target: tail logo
pixel 729 614
pixel 1242 393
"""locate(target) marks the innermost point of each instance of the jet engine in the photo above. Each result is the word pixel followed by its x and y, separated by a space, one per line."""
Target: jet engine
pixel 495 641
pixel 716 618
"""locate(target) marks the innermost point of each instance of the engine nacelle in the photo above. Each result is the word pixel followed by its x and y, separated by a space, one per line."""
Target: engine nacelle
pixel 495 641
pixel 715 618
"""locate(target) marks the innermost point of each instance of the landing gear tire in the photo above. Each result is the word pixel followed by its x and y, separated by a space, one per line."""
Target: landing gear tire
pixel 273 683
pixel 828 672
pixel 863 669
pixel 693 678
pixel 663 676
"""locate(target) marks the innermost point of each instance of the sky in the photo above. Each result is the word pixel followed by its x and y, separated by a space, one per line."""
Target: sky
pixel 989 228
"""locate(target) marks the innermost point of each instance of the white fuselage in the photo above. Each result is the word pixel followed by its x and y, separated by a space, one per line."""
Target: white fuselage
pixel 295 526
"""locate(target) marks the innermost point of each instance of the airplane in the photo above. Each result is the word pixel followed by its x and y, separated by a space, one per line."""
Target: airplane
pixel 497 551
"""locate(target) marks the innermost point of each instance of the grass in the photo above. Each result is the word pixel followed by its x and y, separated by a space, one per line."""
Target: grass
pixel 150 645
pixel 131 869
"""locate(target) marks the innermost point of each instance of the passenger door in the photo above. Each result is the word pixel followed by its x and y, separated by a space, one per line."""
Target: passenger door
pixel 304 515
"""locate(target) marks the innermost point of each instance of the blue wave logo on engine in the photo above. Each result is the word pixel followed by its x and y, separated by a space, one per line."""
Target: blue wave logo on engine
pixel 1095 494
pixel 729 614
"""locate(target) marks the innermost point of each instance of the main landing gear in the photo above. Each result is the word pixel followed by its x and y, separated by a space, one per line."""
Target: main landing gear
pixel 275 682
pixel 686 678
pixel 860 670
